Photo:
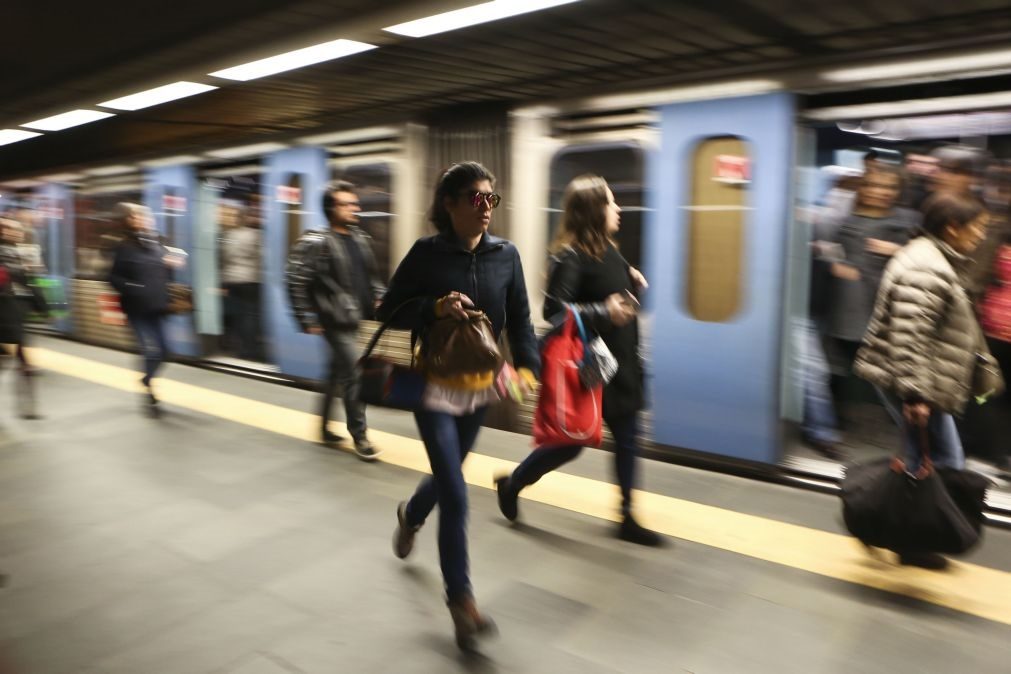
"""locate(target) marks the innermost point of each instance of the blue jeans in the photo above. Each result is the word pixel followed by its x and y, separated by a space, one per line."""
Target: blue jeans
pixel 150 332
pixel 448 440
pixel 820 423
pixel 945 445
pixel 543 460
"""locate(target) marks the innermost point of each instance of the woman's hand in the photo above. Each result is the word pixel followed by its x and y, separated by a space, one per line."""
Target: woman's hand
pixel 619 311
pixel 845 271
pixel 527 381
pixel 638 280
pixel 881 247
pixel 916 414
pixel 453 305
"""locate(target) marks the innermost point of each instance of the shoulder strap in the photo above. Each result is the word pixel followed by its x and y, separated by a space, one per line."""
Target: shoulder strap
pixel 386 324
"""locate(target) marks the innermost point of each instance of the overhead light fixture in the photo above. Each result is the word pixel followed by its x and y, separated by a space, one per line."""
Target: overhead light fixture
pixel 177 160
pixel 929 66
pixel 919 106
pixel 67 120
pixel 353 135
pixel 471 16
pixel 114 170
pixel 245 150
pixel 8 136
pixel 61 177
pixel 699 92
pixel 169 92
pixel 293 59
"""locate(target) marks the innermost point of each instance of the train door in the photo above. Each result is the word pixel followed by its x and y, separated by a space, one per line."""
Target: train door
pixel 291 195
pixel 715 253
pixel 169 193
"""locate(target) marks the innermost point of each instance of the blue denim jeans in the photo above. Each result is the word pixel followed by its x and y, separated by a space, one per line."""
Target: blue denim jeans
pixel 150 332
pixel 543 460
pixel 820 423
pixel 945 444
pixel 448 440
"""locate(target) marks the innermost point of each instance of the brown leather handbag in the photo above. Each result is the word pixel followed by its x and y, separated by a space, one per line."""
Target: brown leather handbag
pixel 453 346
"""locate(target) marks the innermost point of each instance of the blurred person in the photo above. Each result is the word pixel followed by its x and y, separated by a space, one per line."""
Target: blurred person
pixel 462 267
pixel 995 317
pixel 140 273
pixel 335 286
pixel 241 253
pixel 959 169
pixel 590 275
pixel 29 297
pixel 863 244
pixel 924 350
pixel 996 192
pixel 14 280
pixel 920 168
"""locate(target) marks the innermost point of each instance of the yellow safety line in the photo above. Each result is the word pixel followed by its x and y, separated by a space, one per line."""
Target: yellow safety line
pixel 968 588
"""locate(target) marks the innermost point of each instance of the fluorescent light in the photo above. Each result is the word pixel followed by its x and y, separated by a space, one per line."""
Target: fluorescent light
pixel 21 184
pixel 918 106
pixel 8 136
pixel 169 92
pixel 109 170
pixel 293 59
pixel 171 161
pixel 686 93
pixel 61 177
pixel 245 150
pixel 67 120
pixel 470 16
pixel 944 64
pixel 351 136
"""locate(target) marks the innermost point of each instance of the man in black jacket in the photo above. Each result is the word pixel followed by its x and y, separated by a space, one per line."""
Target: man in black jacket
pixel 333 285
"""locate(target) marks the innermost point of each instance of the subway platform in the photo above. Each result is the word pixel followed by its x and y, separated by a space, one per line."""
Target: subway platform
pixel 220 538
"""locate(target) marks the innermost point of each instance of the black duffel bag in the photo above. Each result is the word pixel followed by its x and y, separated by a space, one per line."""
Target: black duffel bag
pixel 935 510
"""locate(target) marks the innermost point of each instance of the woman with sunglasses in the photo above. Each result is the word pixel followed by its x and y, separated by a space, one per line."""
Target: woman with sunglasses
pixel 462 267
pixel 590 275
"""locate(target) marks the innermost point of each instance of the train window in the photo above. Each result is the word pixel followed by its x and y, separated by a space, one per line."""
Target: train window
pixel 291 199
pixel 373 182
pixel 716 227
pixel 96 232
pixel 621 165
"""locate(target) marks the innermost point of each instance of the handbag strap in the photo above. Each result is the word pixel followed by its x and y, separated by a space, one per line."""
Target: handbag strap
pixel 579 323
pixel 385 326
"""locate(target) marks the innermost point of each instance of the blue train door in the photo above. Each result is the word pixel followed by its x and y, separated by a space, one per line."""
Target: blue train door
pixel 716 261
pixel 292 190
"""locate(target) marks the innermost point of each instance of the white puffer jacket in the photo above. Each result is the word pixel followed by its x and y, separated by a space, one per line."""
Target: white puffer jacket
pixel 923 342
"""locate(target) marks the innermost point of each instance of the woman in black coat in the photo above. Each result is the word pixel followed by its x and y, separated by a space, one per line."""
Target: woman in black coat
pixel 588 272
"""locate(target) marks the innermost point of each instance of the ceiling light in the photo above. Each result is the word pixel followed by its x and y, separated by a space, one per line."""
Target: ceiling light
pixel 61 177
pixel 109 170
pixel 67 120
pixel 351 136
pixel 470 16
pixel 293 59
pixel 169 92
pixel 685 93
pixel 8 136
pixel 944 64
pixel 245 150
pixel 171 161
pixel 918 106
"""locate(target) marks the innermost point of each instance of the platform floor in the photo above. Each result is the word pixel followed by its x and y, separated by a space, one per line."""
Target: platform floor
pixel 220 539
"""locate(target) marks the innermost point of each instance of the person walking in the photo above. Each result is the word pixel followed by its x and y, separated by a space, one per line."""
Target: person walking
pixel 590 275
pixel 461 268
pixel 334 285
pixel 924 349
pixel 140 273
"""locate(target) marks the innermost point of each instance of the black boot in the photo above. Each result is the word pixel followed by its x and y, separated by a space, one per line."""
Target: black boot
pixel 507 498
pixel 633 532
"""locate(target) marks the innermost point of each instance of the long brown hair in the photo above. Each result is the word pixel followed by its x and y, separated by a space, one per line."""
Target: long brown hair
pixel 584 223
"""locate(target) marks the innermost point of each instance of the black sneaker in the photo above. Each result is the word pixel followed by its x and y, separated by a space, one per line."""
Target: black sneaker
pixel 403 537
pixel 633 532
pixel 330 439
pixel 507 498
pixel 924 560
pixel 366 451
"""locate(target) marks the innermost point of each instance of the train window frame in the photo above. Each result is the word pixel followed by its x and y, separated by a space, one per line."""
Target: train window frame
pixel 640 148
pixel 724 307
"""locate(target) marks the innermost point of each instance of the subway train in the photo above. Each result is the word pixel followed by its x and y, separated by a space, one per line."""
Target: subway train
pixel 709 186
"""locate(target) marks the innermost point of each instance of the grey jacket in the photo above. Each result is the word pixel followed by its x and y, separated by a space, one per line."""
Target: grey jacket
pixel 923 343
pixel 241 255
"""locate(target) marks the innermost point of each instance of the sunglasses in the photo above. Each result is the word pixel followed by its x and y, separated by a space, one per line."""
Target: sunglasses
pixel 492 198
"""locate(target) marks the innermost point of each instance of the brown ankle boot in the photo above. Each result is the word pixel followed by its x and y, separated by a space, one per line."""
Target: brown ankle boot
pixel 470 624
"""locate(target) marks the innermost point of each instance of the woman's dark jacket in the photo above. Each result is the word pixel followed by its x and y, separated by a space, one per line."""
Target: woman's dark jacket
pixel 12 273
pixel 491 275
pixel 140 275
pixel 579 279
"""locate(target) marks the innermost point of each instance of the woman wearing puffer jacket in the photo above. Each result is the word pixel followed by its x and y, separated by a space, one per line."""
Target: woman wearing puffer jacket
pixel 924 349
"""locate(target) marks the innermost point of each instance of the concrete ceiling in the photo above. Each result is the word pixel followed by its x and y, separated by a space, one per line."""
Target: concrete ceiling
pixel 85 53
